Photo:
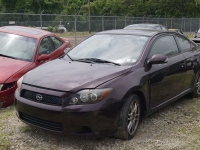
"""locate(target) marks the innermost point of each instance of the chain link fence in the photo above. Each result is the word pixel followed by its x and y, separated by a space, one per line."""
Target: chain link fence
pixel 79 23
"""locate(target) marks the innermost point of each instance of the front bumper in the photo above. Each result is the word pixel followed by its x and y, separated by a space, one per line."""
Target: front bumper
pixel 86 120
pixel 7 97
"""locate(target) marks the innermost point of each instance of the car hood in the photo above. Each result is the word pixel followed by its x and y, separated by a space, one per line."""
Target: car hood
pixel 72 75
pixel 9 67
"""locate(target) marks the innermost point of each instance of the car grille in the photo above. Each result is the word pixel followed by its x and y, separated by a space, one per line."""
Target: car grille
pixel 54 126
pixel 43 98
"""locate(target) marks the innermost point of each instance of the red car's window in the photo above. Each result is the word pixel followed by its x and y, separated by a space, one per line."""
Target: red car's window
pixel 46 46
pixel 17 47
pixel 49 45
pixel 57 42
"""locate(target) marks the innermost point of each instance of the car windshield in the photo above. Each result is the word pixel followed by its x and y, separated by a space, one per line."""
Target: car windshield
pixel 17 47
pixel 120 49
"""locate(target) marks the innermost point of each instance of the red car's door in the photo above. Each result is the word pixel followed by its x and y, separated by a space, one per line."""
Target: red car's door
pixel 52 46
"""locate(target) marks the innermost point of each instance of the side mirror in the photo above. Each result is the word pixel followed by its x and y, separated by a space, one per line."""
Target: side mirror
pixel 158 59
pixel 43 57
pixel 67 50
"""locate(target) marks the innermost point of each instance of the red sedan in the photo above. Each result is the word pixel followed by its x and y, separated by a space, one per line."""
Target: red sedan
pixel 22 49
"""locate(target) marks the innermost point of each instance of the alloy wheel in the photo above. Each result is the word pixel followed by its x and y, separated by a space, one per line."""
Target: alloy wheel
pixel 133 117
pixel 198 85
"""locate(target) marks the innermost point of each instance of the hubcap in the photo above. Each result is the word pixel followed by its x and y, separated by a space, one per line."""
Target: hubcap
pixel 198 85
pixel 133 117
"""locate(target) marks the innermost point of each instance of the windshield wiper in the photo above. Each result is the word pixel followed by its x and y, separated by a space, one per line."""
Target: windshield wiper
pixel 7 56
pixel 97 60
pixel 69 57
pixel 84 60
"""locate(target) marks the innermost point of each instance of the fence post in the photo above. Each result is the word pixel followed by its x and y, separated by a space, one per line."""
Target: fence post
pixel 103 22
pixel 89 23
pixel 115 23
pixel 41 19
pixel 184 24
pixel 158 20
pixel 143 19
pixel 181 24
pixel 125 20
pixel 171 21
pixel 190 24
pixel 75 19
pixel 199 22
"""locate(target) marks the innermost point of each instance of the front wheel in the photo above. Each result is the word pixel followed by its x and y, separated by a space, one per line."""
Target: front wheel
pixel 129 118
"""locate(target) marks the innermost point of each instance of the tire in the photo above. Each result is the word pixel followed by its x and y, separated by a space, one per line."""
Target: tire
pixel 129 118
pixel 196 92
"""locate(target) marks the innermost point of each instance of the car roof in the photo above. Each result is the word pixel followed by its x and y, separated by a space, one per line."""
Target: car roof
pixel 25 31
pixel 173 29
pixel 145 24
pixel 143 32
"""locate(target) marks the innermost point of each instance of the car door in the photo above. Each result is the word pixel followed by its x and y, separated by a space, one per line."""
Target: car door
pixel 166 80
pixel 51 46
pixel 189 51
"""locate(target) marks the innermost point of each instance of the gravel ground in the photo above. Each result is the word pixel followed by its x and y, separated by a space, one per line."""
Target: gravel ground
pixel 177 126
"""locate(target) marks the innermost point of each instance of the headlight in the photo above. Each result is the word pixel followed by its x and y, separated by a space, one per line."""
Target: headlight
pixel 89 96
pixel 7 86
pixel 19 84
pixel 1 85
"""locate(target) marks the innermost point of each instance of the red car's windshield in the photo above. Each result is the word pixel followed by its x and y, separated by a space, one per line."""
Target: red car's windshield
pixel 18 47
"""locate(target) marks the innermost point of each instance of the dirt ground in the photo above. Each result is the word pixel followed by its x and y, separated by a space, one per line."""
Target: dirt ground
pixel 177 126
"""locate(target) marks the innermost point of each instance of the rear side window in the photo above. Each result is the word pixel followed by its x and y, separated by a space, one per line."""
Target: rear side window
pixel 165 45
pixel 163 28
pixel 46 46
pixel 184 44
pixel 57 42
pixel 49 45
pixel 158 28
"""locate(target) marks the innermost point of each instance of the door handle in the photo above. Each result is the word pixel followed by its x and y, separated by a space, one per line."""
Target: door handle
pixel 182 64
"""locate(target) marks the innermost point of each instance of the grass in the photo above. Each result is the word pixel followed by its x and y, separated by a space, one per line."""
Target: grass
pixel 27 128
pixel 190 34
pixel 72 34
pixel 5 113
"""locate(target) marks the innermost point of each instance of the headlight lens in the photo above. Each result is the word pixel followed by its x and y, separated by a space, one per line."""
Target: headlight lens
pixel 1 85
pixel 19 84
pixel 89 96
pixel 7 86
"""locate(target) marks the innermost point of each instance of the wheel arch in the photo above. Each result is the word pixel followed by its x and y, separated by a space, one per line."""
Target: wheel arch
pixel 142 98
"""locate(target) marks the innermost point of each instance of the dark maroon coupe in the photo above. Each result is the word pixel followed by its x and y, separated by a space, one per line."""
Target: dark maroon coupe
pixel 108 82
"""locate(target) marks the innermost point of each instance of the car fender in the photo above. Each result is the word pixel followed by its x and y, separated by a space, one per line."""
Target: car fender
pixel 136 84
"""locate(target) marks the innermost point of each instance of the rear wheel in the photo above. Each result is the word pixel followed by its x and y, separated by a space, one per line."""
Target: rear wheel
pixel 196 92
pixel 129 118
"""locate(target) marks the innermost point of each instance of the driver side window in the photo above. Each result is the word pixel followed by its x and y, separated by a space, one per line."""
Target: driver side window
pixel 46 46
pixel 165 45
